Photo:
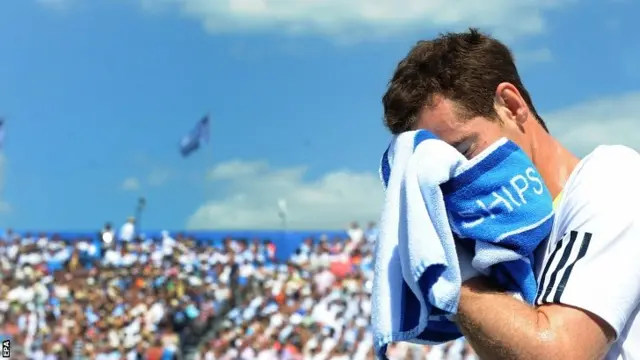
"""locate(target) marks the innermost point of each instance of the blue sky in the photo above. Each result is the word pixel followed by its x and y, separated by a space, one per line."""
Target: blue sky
pixel 97 94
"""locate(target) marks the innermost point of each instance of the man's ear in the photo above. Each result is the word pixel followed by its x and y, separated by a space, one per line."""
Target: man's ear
pixel 510 105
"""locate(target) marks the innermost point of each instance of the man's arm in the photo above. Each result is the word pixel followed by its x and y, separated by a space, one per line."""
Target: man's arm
pixel 498 326
pixel 588 288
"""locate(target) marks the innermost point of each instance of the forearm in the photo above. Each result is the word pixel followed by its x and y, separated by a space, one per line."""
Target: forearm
pixel 499 326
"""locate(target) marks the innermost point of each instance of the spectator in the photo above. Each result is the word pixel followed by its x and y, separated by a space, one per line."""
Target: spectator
pixel 355 232
pixel 128 230
pixel 107 235
pixel 372 233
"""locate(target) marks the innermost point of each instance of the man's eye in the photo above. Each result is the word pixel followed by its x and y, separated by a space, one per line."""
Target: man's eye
pixel 468 152
pixel 464 148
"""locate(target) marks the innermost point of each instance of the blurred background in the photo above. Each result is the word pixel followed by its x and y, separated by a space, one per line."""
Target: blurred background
pixel 232 143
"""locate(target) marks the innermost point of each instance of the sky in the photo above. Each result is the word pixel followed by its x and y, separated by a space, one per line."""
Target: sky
pixel 98 93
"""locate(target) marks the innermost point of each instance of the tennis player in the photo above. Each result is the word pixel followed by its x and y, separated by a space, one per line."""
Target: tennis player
pixel 465 88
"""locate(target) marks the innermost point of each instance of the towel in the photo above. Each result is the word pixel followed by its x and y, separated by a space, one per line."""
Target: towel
pixel 447 219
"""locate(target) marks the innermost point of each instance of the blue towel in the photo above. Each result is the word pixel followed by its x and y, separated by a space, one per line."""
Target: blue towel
pixel 496 208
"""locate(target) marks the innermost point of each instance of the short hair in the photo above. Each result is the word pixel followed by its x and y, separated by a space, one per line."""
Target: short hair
pixel 464 67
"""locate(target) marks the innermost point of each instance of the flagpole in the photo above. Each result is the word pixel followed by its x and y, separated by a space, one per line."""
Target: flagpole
pixel 283 212
pixel 140 205
pixel 209 159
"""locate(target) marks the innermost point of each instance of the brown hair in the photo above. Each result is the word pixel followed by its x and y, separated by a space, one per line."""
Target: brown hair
pixel 463 67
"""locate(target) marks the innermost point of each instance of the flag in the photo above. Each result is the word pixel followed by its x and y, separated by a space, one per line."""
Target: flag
pixel 191 142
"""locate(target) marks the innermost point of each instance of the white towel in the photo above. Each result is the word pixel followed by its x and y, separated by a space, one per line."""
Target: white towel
pixel 406 220
pixel 419 267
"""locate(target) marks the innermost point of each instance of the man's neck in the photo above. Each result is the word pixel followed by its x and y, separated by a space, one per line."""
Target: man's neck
pixel 554 162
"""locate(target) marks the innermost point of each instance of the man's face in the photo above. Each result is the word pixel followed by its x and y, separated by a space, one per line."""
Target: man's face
pixel 469 136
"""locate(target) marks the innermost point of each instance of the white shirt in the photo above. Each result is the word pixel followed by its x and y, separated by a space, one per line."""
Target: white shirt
pixel 38 355
pixel 31 259
pixel 266 355
pixel 248 353
pixel 155 313
pixel 107 236
pixel 112 257
pixel 157 257
pixel 128 259
pixel 12 251
pixel 21 294
pixel 362 350
pixel 127 231
pixel 355 234
pixel 591 258
pixel 168 243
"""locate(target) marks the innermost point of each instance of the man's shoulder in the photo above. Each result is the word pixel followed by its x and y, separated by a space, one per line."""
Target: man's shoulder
pixel 603 186
pixel 606 173
pixel 608 162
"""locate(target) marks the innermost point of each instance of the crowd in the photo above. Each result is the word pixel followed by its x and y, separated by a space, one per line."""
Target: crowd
pixel 106 298
pixel 316 306
pixel 118 296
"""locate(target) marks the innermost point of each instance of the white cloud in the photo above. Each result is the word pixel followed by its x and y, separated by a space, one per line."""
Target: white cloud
pixel 237 169
pixel 341 196
pixel 255 188
pixel 364 19
pixel 607 120
pixel 131 184
pixel 156 177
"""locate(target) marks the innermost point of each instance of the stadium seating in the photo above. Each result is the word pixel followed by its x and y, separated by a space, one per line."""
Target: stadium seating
pixel 243 295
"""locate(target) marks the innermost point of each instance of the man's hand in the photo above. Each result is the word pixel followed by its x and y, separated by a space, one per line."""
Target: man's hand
pixel 498 326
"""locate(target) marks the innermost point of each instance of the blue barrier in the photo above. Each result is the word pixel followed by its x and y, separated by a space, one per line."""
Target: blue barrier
pixel 286 241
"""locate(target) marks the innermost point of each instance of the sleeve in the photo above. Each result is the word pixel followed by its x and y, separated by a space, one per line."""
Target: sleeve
pixel 595 265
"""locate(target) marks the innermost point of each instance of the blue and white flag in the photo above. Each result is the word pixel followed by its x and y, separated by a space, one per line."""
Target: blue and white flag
pixel 191 142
